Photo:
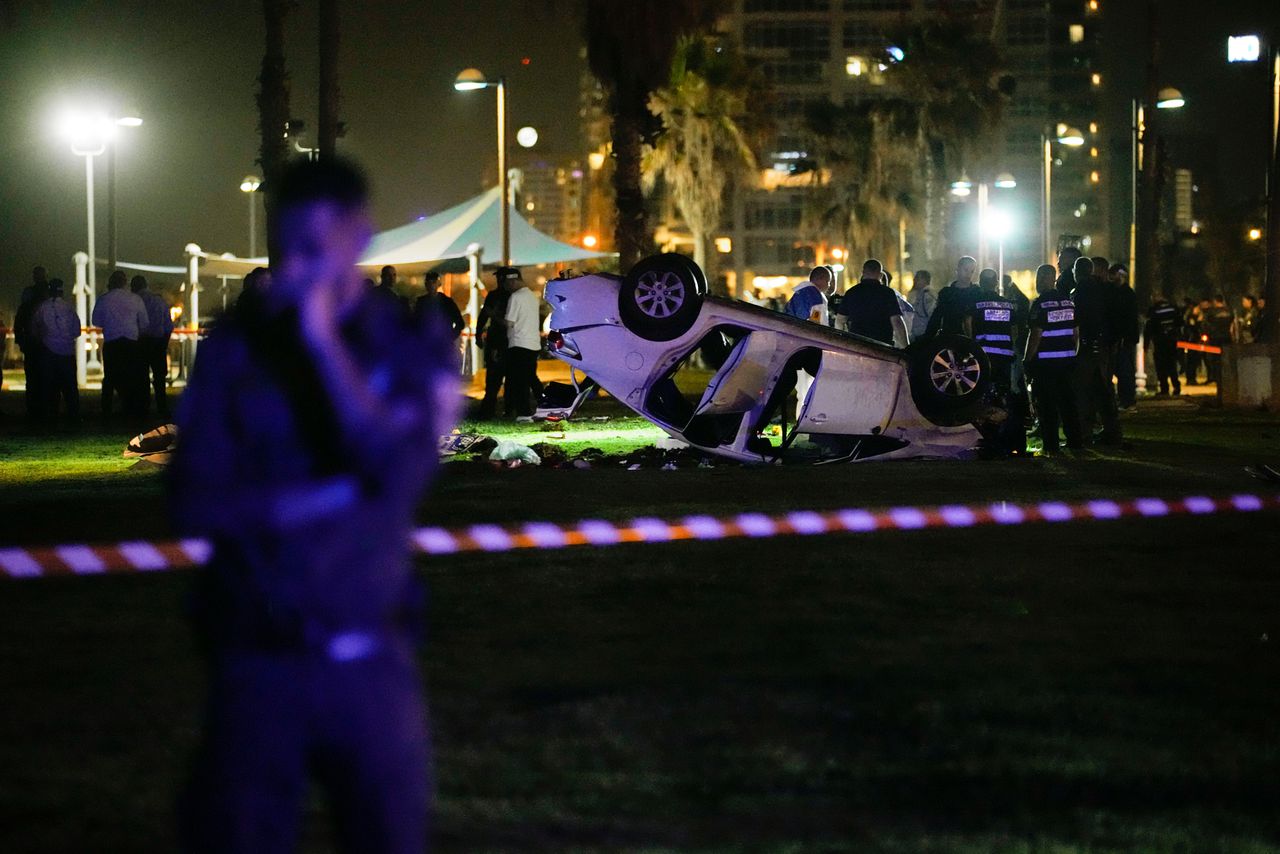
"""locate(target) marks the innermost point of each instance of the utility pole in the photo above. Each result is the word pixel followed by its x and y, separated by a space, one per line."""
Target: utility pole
pixel 330 127
pixel 1147 217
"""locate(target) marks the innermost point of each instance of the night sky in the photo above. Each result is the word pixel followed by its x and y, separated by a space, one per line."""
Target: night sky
pixel 189 69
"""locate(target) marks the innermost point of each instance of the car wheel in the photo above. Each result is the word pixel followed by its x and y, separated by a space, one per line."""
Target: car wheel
pixel 949 376
pixel 660 297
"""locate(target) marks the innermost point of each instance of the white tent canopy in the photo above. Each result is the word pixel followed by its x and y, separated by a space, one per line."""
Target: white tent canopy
pixel 446 236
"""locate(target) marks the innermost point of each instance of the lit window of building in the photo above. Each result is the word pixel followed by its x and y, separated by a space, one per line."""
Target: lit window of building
pixel 1095 177
pixel 1096 79
pixel 1076 33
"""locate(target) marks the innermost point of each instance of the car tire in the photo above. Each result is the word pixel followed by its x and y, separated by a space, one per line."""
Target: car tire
pixel 950 376
pixel 661 296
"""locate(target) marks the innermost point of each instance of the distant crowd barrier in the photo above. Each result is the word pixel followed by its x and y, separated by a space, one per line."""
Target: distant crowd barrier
pixel 142 556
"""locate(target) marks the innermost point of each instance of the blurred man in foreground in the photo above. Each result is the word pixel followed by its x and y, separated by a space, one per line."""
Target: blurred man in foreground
pixel 307 438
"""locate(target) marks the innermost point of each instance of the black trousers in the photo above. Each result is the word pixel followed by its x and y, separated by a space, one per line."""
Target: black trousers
pixel 1054 394
pixel 60 383
pixel 154 356
pixel 32 370
pixel 1125 370
pixel 495 370
pixel 524 389
pixel 1166 359
pixel 122 374
pixel 1095 396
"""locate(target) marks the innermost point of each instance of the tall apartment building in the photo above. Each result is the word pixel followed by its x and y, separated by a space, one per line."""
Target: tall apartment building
pixel 815 50
pixel 548 193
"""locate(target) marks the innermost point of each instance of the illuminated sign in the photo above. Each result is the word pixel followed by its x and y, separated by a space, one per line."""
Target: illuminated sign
pixel 1244 49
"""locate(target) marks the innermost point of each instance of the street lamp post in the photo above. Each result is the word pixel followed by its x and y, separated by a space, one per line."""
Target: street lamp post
pixel 468 80
pixel 249 186
pixel 1071 138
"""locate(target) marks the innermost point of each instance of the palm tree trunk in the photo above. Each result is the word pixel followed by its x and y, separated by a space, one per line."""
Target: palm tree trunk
pixel 631 233
pixel 273 107
pixel 329 94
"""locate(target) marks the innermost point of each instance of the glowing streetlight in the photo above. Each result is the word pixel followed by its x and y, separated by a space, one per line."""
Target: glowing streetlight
pixel 468 80
pixel 1255 234
pixel 249 186
pixel 1005 181
pixel 999 225
pixel 961 187
pixel 1170 99
pixel 527 137
pixel 590 241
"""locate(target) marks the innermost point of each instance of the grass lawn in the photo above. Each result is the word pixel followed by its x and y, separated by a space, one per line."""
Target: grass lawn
pixel 1085 686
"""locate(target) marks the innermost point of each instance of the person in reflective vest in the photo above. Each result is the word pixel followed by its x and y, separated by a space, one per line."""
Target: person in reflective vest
pixel 1164 324
pixel 992 321
pixel 1050 361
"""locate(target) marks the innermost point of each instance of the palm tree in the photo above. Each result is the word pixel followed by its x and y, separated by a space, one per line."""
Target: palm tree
pixel 273 105
pixel 949 101
pixel 630 47
pixel 704 145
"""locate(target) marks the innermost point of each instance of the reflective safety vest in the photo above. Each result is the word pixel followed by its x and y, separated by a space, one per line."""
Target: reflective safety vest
pixel 993 324
pixel 1165 321
pixel 1055 316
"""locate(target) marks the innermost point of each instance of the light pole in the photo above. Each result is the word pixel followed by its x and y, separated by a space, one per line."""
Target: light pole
pixel 1168 99
pixel 249 186
pixel 964 187
pixel 470 79
pixel 90 134
pixel 999 226
pixel 1071 138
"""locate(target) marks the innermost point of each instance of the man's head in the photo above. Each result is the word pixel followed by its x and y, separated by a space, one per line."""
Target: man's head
pixel 55 287
pixel 1219 300
pixel 1119 274
pixel 989 280
pixel 1082 269
pixel 118 280
pixel 886 277
pixel 39 276
pixel 1204 302
pixel 965 268
pixel 871 269
pixel 1101 267
pixel 1067 258
pixel 321 228
pixel 509 278
pixel 922 279
pixel 1046 278
pixel 431 281
pixel 387 278
pixel 138 284
pixel 821 278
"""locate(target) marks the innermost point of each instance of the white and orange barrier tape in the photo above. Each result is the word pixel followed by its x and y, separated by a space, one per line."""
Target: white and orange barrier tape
pixel 142 556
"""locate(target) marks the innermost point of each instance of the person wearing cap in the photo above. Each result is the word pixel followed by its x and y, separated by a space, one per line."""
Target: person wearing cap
pixel 57 327
pixel 1125 326
pixel 524 389
pixel 491 335
pixel 153 345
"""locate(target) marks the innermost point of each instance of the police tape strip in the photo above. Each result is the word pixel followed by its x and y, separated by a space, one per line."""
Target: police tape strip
pixel 142 556
pixel 1199 348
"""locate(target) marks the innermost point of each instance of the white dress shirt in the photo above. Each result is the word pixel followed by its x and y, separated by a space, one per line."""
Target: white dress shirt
pixel 522 320
pixel 121 314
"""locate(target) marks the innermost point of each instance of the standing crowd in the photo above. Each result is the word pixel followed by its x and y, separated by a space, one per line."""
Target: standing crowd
pixel 136 327
pixel 1067 357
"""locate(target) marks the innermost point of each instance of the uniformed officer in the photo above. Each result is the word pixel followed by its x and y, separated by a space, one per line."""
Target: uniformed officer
pixel 1050 359
pixel 994 319
pixel 1164 322
pixel 491 333
pixel 307 438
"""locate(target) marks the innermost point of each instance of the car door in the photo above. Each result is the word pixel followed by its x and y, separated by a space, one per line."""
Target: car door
pixel 854 394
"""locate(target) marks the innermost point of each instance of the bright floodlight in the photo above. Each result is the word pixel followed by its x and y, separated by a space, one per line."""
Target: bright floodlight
pixel 469 79
pixel 1244 48
pixel 250 184
pixel 1006 181
pixel 998 224
pixel 129 121
pixel 1169 99
pixel 962 186
pixel 527 137
pixel 895 52
pixel 1071 137
pixel 88 133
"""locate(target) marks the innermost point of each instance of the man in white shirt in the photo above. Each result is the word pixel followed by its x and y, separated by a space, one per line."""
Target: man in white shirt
pixel 122 316
pixel 523 341
pixel 57 327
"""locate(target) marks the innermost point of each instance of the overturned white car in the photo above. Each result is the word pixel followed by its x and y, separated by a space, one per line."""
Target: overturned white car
pixel 636 335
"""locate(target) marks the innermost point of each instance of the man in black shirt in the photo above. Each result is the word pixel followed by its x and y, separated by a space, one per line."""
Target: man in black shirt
pixel 1066 276
pixel 1164 322
pixel 1219 323
pixel 434 302
pixel 951 314
pixel 1124 326
pixel 1093 307
pixel 871 309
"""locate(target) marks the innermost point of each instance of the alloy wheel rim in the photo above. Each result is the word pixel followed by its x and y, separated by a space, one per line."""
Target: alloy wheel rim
pixel 953 375
pixel 659 294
